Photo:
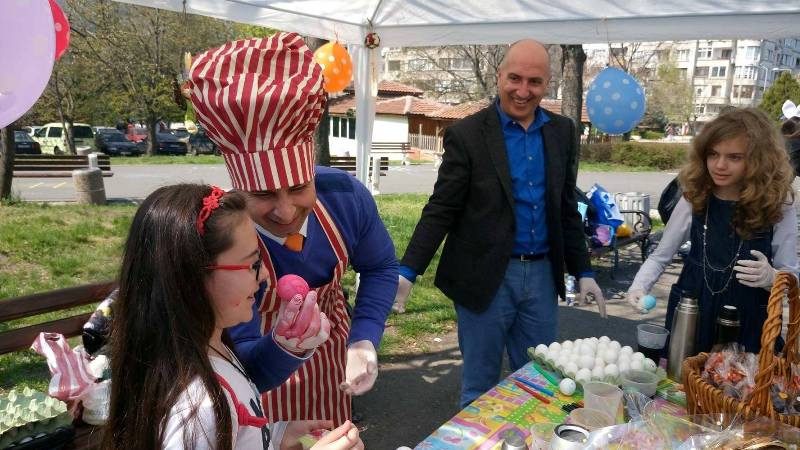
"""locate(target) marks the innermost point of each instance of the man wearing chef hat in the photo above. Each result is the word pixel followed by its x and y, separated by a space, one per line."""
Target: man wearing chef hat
pixel 260 101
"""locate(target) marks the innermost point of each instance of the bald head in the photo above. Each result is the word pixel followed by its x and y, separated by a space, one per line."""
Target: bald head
pixel 526 49
pixel 522 79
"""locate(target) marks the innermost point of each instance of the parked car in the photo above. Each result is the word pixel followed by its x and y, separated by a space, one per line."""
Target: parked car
pixel 25 145
pixel 168 144
pixel 111 142
pixel 182 134
pixel 31 130
pixel 200 143
pixel 53 139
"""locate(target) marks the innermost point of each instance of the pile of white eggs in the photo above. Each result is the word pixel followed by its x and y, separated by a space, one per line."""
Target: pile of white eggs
pixel 593 359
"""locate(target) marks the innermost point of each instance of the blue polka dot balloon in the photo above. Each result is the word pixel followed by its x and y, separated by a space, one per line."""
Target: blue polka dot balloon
pixel 615 101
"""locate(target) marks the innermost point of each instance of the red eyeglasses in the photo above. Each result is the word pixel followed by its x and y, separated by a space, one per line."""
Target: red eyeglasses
pixel 255 266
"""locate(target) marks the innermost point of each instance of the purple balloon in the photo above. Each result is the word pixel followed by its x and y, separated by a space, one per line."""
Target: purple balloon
pixel 27 43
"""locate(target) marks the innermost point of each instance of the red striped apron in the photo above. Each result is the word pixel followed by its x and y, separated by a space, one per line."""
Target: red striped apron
pixel 312 393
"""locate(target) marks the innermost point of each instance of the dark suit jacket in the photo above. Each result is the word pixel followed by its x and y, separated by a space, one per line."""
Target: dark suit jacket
pixel 473 205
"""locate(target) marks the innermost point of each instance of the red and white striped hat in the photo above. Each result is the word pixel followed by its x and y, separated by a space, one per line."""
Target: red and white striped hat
pixel 260 101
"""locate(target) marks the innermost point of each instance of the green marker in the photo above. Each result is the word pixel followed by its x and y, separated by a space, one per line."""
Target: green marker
pixel 544 373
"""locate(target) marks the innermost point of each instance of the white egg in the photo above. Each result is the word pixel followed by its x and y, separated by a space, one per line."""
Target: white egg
pixel 562 361
pixel 614 344
pixel 624 366
pixel 627 350
pixel 586 349
pixel 599 362
pixel 566 345
pixel 541 350
pixel 554 347
pixel 611 371
pixel 586 362
pixel 574 357
pixel 583 376
pixel 650 365
pixel 577 343
pixel 637 356
pixel 594 340
pixel 602 346
pixel 604 339
pixel 610 356
pixel 598 373
pixel 567 386
pixel 637 365
pixel 623 357
pixel 571 369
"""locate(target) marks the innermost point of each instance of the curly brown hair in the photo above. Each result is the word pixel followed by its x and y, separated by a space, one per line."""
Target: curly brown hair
pixel 767 183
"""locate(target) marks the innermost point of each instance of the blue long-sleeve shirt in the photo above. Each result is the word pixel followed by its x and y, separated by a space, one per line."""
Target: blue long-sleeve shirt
pixel 372 255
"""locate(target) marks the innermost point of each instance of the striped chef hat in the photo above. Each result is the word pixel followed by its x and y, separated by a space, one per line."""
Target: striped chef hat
pixel 260 101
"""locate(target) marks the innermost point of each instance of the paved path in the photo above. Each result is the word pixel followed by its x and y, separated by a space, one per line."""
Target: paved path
pixel 136 182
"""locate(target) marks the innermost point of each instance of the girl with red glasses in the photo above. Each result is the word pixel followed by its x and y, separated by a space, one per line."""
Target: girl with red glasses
pixel 191 268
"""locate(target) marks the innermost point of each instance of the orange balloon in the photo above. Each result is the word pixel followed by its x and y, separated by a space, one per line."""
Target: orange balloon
pixel 337 67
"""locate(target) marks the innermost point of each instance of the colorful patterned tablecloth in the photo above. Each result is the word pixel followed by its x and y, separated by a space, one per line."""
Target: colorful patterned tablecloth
pixel 507 408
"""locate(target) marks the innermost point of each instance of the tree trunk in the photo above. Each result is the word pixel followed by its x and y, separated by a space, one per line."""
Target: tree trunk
pixel 322 151
pixel 573 58
pixel 152 139
pixel 6 160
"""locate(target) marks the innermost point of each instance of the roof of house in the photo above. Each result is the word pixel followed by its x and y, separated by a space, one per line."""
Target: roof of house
pixel 462 110
pixel 401 106
pixel 388 88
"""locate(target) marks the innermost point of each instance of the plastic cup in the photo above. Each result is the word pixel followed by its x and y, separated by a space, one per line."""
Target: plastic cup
pixel 651 336
pixel 602 396
pixel 591 419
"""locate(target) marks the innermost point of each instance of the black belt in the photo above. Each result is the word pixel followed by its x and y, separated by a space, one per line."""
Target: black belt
pixel 529 257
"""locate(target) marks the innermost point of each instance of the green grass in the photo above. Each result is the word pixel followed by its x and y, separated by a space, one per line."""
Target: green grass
pixel 165 159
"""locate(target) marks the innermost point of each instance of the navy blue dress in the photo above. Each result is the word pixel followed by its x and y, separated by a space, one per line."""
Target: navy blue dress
pixel 722 245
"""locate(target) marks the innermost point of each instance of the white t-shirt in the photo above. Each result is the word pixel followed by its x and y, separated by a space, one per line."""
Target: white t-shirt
pixel 203 427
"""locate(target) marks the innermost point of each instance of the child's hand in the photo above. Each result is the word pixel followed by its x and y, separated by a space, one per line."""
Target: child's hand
pixel 758 273
pixel 343 438
pixel 298 430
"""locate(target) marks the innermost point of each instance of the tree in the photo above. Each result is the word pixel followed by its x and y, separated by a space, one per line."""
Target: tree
pixel 572 60
pixel 670 97
pixel 784 88
pixel 6 160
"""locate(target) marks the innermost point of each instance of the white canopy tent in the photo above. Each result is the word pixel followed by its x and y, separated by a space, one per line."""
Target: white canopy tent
pixel 401 23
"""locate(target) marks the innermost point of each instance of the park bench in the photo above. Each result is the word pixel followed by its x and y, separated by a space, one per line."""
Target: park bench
pixel 62 300
pixel 640 237
pixel 348 164
pixel 393 148
pixel 57 166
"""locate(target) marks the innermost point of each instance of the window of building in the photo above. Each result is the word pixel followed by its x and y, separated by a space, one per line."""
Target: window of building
pixel 682 54
pixel 701 72
pixel 745 72
pixel 395 65
pixel 420 64
pixel 335 126
pixel 746 92
pixel 751 53
pixel 718 71
pixel 683 72
pixel 455 64
pixel 704 53
pixel 715 91
pixel 351 128
pixel 713 109
pixel 725 53
pixel 343 127
pixel 699 91
pixel 699 109
pixel 769 55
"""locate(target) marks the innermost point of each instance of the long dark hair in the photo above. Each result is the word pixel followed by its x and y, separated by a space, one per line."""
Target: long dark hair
pixel 163 319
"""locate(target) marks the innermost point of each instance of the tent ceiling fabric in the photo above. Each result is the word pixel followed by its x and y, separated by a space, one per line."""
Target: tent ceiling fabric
pixel 438 22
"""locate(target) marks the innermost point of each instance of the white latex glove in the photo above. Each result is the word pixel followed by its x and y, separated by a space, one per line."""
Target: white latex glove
pixel 362 368
pixel 308 327
pixel 587 287
pixel 758 273
pixel 403 291
pixel 635 297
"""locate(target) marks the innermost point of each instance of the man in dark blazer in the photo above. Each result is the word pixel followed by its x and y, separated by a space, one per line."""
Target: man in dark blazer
pixel 505 200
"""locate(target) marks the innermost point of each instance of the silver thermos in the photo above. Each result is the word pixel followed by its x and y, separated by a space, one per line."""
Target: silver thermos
pixel 681 337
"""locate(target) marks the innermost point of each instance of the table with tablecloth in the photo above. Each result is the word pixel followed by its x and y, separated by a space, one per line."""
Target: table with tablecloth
pixel 505 408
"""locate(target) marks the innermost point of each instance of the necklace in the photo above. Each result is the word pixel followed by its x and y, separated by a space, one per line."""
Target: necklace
pixel 707 263
pixel 232 360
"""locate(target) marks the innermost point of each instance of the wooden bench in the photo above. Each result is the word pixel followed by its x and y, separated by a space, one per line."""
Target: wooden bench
pixel 86 436
pixel 402 148
pixel 348 164
pixel 639 237
pixel 57 166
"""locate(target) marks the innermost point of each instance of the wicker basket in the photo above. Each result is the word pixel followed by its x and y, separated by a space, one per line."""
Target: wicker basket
pixel 703 398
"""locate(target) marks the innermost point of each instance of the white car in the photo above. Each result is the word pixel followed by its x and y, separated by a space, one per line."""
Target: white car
pixel 54 141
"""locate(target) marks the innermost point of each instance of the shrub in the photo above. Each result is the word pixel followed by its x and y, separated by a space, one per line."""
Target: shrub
pixel 653 135
pixel 637 154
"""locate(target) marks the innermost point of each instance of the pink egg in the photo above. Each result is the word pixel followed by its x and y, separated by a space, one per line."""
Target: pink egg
pixel 291 285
